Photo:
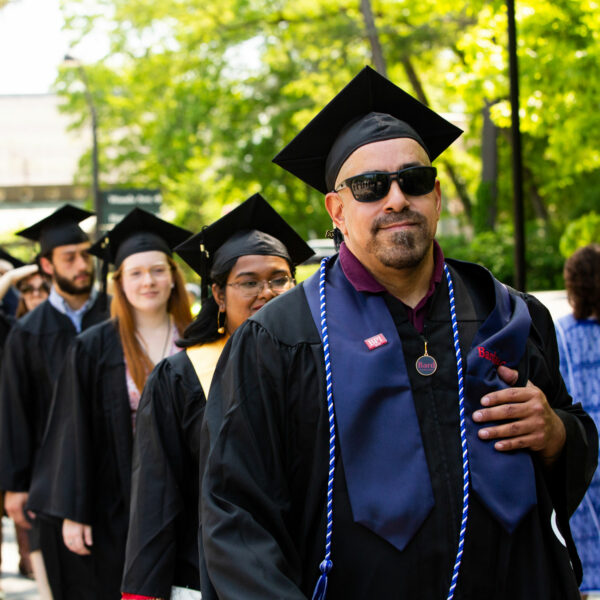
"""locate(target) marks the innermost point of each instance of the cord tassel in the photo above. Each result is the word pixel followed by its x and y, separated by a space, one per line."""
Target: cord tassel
pixel 320 592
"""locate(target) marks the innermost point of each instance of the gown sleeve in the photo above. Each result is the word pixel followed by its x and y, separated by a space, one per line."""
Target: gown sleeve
pixel 570 476
pixel 245 498
pixel 63 481
pixel 167 417
pixel 17 414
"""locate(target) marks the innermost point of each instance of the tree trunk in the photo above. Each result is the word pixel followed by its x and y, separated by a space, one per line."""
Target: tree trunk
pixel 489 169
pixel 459 185
pixel 376 51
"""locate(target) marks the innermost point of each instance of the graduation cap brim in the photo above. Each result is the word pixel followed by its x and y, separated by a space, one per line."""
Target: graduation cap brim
pixel 306 155
pixel 13 260
pixel 58 229
pixel 253 214
pixel 138 231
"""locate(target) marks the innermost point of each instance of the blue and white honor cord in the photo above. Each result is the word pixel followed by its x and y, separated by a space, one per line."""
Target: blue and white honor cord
pixel 320 592
pixel 463 437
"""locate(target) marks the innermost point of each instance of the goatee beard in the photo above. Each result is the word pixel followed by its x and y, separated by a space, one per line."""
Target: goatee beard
pixel 407 248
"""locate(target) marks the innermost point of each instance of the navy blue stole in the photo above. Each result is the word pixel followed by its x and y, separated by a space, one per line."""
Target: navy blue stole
pixel 379 435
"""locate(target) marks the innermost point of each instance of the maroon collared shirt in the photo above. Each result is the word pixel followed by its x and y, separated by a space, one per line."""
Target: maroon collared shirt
pixel 363 281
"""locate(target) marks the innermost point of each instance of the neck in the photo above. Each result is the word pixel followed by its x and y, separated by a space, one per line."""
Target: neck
pixel 75 301
pixel 409 284
pixel 151 320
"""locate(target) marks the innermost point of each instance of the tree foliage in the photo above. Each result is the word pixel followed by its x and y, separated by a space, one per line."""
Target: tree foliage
pixel 197 97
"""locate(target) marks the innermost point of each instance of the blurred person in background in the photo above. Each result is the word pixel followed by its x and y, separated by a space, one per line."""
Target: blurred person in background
pixel 10 298
pixel 33 286
pixel 32 359
pixel 249 258
pixel 578 337
pixel 83 474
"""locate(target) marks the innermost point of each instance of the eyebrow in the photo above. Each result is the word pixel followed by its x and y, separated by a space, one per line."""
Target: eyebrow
pixel 159 264
pixel 253 274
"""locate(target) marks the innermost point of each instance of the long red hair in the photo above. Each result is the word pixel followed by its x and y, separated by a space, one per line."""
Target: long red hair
pixel 178 307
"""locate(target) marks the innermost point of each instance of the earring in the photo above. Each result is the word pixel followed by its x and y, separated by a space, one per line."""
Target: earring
pixel 172 285
pixel 220 328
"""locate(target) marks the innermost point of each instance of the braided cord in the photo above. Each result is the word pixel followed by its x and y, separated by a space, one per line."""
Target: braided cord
pixel 463 438
pixel 325 566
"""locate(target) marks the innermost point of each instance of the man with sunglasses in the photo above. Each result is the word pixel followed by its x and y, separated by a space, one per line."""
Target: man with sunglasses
pixel 397 426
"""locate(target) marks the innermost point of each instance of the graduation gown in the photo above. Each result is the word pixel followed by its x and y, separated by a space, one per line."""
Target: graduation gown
pixel 6 322
pixel 32 359
pixel 264 488
pixel 162 546
pixel 84 470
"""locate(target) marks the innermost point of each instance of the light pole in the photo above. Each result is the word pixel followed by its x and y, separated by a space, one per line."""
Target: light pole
pixel 517 168
pixel 74 62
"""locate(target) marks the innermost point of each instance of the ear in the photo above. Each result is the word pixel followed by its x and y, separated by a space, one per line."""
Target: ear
pixel 219 296
pixel 437 190
pixel 335 207
pixel 47 266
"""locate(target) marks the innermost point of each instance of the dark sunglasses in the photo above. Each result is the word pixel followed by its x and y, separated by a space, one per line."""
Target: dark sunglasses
pixel 29 289
pixel 375 185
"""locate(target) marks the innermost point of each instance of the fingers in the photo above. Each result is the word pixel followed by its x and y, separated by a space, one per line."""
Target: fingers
pixel 74 536
pixel 508 375
pixel 87 535
pixel 526 433
pixel 19 518
pixel 14 503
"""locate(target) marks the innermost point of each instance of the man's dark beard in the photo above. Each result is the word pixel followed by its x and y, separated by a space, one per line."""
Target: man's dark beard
pixel 67 286
pixel 408 248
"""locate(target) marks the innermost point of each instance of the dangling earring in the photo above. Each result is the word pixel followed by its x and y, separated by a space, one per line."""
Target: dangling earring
pixel 220 328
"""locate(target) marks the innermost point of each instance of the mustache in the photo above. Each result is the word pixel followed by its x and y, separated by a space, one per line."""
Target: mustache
pixel 394 218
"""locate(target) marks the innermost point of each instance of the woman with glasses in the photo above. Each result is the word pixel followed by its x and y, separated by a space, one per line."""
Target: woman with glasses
pixel 247 258
pixel 83 474
pixel 32 284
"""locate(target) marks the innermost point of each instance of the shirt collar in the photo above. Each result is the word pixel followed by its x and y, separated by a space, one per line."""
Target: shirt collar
pixel 62 306
pixel 363 281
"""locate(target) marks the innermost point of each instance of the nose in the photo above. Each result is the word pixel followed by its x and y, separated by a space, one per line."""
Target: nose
pixel 265 292
pixel 395 201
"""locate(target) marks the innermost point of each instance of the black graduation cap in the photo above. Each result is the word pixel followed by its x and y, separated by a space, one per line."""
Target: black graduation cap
pixel 13 260
pixel 254 227
pixel 58 229
pixel 370 108
pixel 138 231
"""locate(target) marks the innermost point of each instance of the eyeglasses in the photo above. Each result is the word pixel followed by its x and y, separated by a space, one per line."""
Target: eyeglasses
pixel 44 288
pixel 252 287
pixel 374 185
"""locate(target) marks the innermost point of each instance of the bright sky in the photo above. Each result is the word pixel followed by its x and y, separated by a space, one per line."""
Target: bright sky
pixel 32 46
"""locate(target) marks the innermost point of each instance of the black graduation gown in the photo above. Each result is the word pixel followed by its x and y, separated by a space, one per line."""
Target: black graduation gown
pixel 162 547
pixel 84 469
pixel 33 356
pixel 6 322
pixel 264 488
pixel 32 359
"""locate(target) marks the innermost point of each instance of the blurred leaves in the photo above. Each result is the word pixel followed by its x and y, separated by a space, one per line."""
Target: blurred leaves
pixel 197 97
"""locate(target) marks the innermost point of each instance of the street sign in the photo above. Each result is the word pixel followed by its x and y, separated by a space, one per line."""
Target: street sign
pixel 115 204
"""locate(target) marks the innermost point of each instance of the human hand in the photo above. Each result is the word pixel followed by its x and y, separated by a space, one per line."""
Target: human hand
pixel 77 537
pixel 531 421
pixel 21 273
pixel 14 504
